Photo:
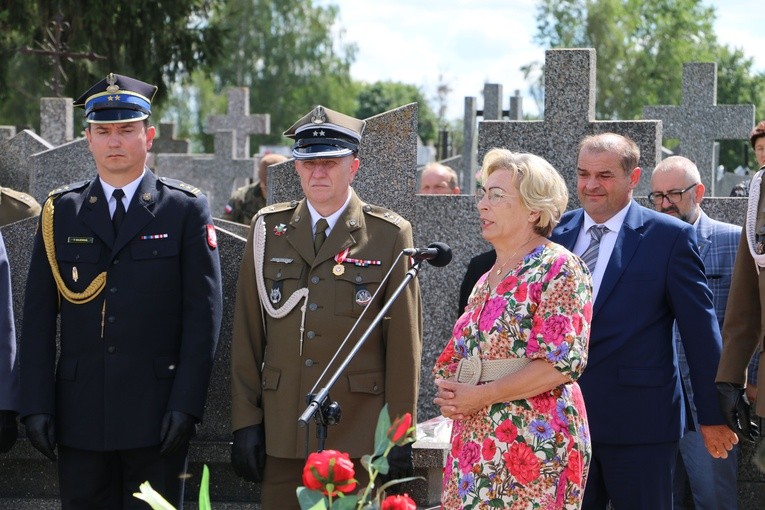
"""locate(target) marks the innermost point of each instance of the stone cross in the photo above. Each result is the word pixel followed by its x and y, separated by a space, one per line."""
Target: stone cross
pixel 56 120
pixel 240 121
pixel 698 122
pixel 492 101
pixel 569 116
pixel 167 143
pixel 215 174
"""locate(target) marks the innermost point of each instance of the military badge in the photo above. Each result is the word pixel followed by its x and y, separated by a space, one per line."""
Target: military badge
pixel 75 274
pixel 92 199
pixel 280 229
pixel 276 293
pixel 363 297
pixel 338 270
pixel 146 197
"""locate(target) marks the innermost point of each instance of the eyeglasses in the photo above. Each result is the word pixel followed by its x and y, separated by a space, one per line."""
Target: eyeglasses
pixel 672 196
pixel 494 195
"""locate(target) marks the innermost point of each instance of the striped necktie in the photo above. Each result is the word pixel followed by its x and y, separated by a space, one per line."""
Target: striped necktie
pixel 590 255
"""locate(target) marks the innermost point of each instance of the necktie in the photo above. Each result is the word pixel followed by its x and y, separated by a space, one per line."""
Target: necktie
pixel 321 234
pixel 590 255
pixel 119 212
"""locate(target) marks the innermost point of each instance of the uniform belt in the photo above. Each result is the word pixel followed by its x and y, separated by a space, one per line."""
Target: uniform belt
pixel 473 369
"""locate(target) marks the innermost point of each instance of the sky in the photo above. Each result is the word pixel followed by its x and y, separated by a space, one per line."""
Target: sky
pixel 472 42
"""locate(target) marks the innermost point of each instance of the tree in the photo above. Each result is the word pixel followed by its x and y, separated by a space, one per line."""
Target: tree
pixel 285 51
pixel 156 42
pixel 641 47
pixel 382 96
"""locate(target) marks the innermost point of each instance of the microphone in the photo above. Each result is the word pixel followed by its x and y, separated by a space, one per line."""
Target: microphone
pixel 437 254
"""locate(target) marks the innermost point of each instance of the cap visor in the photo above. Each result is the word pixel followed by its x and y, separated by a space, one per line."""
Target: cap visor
pixel 115 115
pixel 320 151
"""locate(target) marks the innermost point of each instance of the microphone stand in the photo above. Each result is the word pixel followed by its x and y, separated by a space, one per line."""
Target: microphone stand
pixel 329 412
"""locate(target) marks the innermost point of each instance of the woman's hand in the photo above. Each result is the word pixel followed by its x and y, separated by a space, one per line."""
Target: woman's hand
pixel 458 401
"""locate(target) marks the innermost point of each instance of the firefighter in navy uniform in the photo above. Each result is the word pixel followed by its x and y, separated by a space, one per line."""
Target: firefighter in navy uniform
pixel 129 264
pixel 310 267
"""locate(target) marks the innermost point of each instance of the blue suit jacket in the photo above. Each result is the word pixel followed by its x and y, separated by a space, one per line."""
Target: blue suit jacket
pixel 632 386
pixel 718 244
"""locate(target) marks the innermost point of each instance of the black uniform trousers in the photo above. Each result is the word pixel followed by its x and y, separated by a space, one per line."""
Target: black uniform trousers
pixel 94 480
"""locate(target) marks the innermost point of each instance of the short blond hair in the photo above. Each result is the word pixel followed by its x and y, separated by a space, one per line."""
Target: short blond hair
pixel 542 189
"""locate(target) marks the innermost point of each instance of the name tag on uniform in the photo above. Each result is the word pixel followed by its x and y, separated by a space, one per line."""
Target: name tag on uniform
pixel 79 240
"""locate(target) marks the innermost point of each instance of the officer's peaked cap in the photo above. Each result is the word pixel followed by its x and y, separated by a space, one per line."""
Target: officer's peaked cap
pixel 117 98
pixel 325 133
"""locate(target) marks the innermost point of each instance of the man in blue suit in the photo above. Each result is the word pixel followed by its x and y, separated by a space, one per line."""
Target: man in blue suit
pixel 647 274
pixel 677 190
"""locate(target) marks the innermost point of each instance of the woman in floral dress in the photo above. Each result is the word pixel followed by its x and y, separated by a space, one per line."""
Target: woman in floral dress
pixel 520 437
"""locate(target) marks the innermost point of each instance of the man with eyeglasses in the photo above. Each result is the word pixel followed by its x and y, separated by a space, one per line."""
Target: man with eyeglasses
pixel 647 274
pixel 676 190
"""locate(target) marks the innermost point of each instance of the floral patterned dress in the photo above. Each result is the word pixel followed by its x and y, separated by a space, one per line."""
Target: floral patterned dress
pixel 531 453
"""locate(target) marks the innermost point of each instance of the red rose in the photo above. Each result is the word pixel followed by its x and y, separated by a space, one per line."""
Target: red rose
pixel 400 431
pixel 329 467
pixel 398 502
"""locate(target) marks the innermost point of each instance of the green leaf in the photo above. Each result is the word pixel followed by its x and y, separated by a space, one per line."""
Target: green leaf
pixel 497 503
pixel 204 490
pixel 381 432
pixel 311 500
pixel 365 461
pixel 380 464
pixel 346 503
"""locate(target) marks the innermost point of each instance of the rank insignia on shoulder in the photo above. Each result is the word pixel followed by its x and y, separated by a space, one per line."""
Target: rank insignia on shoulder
pixel 212 237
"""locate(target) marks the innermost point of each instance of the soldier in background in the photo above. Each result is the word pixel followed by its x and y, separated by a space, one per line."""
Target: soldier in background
pixel 246 201
pixel 16 206
pixel 319 262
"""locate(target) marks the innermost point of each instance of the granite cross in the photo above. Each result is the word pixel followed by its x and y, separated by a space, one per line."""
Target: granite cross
pixel 569 116
pixel 698 122
pixel 240 121
pixel 215 174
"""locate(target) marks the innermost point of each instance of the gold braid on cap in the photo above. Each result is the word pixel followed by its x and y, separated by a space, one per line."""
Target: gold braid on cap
pixel 77 298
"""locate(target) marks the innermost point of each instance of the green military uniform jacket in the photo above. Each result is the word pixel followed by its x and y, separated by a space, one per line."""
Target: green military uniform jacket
pixel 16 206
pixel 271 376
pixel 744 327
pixel 244 203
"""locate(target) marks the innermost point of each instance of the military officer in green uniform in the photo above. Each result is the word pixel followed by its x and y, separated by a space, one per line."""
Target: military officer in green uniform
pixel 246 201
pixel 16 206
pixel 309 270
pixel 127 264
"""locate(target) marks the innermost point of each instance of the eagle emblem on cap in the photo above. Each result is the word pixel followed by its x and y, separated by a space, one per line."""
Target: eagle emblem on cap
pixel 319 116
pixel 112 81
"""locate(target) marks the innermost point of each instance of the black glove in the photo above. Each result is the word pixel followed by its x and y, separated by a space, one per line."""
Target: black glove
pixel 9 430
pixel 248 452
pixel 737 411
pixel 41 432
pixel 177 430
pixel 400 465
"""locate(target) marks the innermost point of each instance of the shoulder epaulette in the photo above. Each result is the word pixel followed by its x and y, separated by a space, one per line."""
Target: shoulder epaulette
pixel 281 206
pixel 382 213
pixel 20 197
pixel 175 183
pixel 68 187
